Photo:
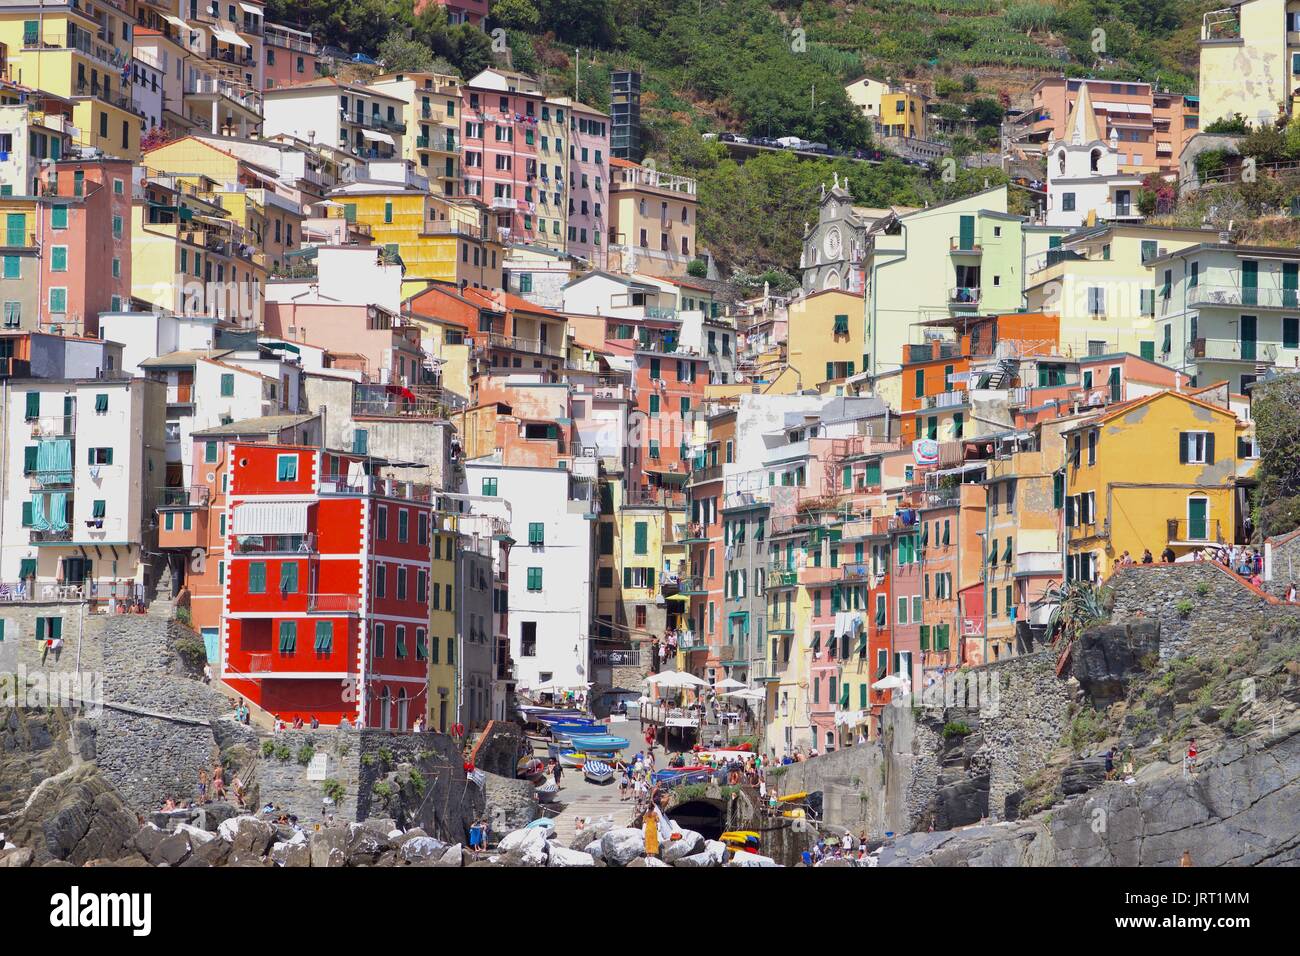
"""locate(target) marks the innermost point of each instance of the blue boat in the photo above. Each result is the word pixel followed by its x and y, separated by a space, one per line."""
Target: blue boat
pixel 597 771
pixel 569 729
pixel 597 742
pixel 677 776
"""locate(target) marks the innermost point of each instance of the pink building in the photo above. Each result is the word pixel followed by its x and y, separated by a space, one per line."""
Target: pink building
pixel 290 56
pixel 500 111
pixel 588 181
pixel 365 338
pixel 84 229
pixel 824 670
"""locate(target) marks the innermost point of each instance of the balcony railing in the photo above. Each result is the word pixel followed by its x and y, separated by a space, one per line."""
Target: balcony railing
pixel 965 244
pixel 964 295
pixel 1258 297
pixel 1230 350
pixel 195 496
pixel 534 346
pixel 275 544
pixel 333 603
pixel 1203 530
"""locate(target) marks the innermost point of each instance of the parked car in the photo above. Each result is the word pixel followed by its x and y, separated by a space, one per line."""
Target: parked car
pixel 789 142
pixel 727 137
pixel 820 148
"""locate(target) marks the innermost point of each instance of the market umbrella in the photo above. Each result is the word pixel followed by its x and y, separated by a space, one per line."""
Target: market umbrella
pixel 888 683
pixel 747 694
pixel 676 679
pixel 730 683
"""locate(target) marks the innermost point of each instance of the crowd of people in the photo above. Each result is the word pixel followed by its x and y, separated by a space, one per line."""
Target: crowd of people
pixel 210 788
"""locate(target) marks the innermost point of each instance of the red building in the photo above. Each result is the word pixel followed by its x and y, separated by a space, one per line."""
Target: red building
pixel 500 111
pixel 325 608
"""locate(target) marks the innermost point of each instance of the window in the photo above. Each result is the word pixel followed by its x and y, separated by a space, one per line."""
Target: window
pixel 1067 202
pixel 1196 448
pixel 403 524
pixel 58 218
pixel 489 487
pixel 59 259
pixel 399 642
pixel 99 456
pixel 324 645
pixel 257 577
pixel 286 467
pixel 377 641
pixel 227 384
pixel 59 300
pixel 534 579
pixel 536 533
pixel 288 578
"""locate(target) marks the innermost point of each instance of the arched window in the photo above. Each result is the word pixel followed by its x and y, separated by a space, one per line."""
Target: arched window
pixel 832 279
pixel 1060 160
pixel 385 710
pixel 402 703
pixel 1096 160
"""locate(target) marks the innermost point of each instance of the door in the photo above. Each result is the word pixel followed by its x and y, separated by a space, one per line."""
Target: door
pixel 1249 282
pixel 966 237
pixel 1248 337
pixel 402 710
pixel 1114 384
pixel 1197 509
pixel 1290 283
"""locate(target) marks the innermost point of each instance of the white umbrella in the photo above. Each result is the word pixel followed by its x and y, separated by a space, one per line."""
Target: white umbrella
pixel 747 694
pixel 888 683
pixel 729 683
pixel 676 679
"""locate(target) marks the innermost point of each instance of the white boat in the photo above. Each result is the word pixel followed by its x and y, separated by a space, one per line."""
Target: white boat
pixel 597 771
pixel 547 792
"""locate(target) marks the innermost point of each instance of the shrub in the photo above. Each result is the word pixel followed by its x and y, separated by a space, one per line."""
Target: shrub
pixel 417 782
pixel 282 752
pixel 955 728
pixel 268 747
pixel 334 790
pixel 697 268
pixel 1202 589
pixel 1242 727
pixel 385 756
pixel 305 753
pixel 191 651
pixel 183 615
pixel 1184 607
pixel 383 791
pixel 368 760
pixel 1086 728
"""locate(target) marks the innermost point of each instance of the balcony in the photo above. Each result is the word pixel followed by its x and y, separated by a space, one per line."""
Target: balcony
pixel 1244 297
pixel 1231 350
pixel 964 297
pixel 275 544
pixel 503 202
pixel 953 399
pixel 437 144
pixel 964 246
pixel 707 473
pixel 782 579
pixel 180 394
pixel 1038 562
pixel 333 603
pixel 514 343
pixel 50 536
pixel 195 496
pixel 1194 532
pixel 1221 26
pixel 691 585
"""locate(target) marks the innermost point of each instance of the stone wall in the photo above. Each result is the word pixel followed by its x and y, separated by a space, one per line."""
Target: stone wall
pixel 1285 564
pixel 1220 608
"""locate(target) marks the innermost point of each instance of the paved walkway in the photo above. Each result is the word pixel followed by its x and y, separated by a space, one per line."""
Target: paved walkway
pixel 581 798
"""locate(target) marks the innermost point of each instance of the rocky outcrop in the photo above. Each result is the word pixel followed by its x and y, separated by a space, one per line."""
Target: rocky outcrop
pixel 1107 656
pixel 75 816
pixel 1239 808
pixel 498 748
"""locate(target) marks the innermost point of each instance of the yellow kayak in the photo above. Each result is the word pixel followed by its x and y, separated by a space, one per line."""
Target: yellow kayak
pixel 792 796
pixel 741 839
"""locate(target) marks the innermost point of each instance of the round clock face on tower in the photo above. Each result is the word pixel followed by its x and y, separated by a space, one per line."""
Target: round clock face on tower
pixel 832 243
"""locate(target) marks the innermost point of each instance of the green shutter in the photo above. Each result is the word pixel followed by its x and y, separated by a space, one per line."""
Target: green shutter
pixel 324 637
pixel 641 544
pixel 256 577
pixel 288 637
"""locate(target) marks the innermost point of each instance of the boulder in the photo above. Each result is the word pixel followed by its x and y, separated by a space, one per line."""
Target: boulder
pixel 288 854
pixel 147 840
pixel 621 846
pixel 196 835
pixel 592 831
pixel 713 854
pixel 654 861
pixel 365 844
pixel 172 850
pixel 563 856
pixel 690 842
pixel 329 847
pixel 247 835
pixel 960 800
pixel 524 848
pixel 421 850
pixel 453 856
pixel 212 853
pixel 21 856
pixel 751 859
pixel 245 858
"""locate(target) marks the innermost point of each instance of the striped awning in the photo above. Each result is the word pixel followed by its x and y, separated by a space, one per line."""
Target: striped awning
pixel 270 517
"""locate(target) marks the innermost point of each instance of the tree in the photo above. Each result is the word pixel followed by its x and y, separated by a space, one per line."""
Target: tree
pixel 1275 406
pixel 985 112
pixel 697 268
pixel 515 14
pixel 1236 123
pixel 402 54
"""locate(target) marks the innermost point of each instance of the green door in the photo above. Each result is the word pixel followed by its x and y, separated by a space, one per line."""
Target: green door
pixel 1290 275
pixel 966 238
pixel 1249 282
pixel 1248 337
pixel 1196 523
pixel 1114 384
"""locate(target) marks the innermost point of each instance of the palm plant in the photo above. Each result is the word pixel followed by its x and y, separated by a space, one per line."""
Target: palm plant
pixel 1078 605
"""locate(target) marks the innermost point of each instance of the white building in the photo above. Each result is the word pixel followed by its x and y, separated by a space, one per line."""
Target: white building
pixel 604 293
pixel 552 591
pixel 1083 177
pixel 26 138
pixel 346 275
pixel 349 116
pixel 80 484
pixel 148 334
pixel 147 88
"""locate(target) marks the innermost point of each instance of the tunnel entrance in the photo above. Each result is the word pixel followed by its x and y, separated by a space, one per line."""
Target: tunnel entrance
pixel 703 816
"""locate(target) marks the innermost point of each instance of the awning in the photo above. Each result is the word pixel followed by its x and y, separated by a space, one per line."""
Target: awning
pixel 226 36
pixel 176 22
pixel 270 517
pixel 249 8
pixel 378 137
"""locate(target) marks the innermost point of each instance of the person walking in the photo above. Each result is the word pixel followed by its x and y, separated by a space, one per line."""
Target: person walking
pixel 557 771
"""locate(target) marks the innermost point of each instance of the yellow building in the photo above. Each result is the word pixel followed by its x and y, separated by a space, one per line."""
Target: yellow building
pixel 1248 61
pixel 432 117
pixel 1098 282
pixel 1157 473
pixel 439 240
pixel 443 637
pixel 267 219
pixel 902 113
pixel 59 47
pixel 189 256
pixel 825 341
